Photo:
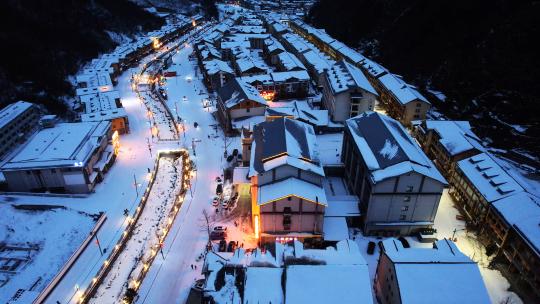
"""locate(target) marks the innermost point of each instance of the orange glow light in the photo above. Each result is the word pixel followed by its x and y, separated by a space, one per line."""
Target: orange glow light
pixel 257 226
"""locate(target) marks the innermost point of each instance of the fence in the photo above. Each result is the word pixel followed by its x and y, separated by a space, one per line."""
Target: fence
pixel 120 245
pixel 67 266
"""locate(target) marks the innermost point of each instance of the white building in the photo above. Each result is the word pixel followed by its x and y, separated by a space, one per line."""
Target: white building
pixel 347 92
pixel 70 157
pixel 441 274
pixel 17 121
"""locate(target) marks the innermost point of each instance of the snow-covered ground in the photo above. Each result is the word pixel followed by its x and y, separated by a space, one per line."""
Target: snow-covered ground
pixel 148 228
pixel 445 223
pixel 169 280
pixel 35 238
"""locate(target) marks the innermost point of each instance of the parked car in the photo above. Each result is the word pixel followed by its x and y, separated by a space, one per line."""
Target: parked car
pixel 218 235
pixel 219 189
pixel 215 202
pixel 220 228
pixel 371 248
pixel 231 247
pixel 225 204
pixel 222 246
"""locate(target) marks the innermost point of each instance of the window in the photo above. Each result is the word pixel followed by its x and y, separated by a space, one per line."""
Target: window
pixel 407 198
pixel 53 170
pixel 289 199
pixel 418 104
pixel 248 109
pixel 287 218
pixel 404 208
pixel 416 116
pixel 417 110
pixel 402 217
pixel 410 188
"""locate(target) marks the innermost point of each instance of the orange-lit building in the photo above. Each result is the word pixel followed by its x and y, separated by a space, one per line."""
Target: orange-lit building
pixel 287 196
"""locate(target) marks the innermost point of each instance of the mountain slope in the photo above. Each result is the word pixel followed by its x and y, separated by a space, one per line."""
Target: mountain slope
pixel 45 41
pixel 482 54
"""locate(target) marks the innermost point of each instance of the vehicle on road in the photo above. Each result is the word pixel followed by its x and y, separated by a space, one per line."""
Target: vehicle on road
pixel 218 235
pixel 222 246
pixel 371 248
pixel 220 228
pixel 215 202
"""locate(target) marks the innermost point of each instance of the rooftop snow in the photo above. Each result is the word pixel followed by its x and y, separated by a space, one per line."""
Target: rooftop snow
pixel 455 136
pixel 290 62
pixel 287 141
pixel 65 145
pixel 441 271
pixel 236 91
pixel 291 187
pixel 335 229
pixel 301 111
pixel 403 92
pixel 263 285
pixel 11 111
pixel 344 76
pixel 345 284
pixel 387 149
pixel 342 206
pixel 522 211
pixel 488 177
pixel 215 66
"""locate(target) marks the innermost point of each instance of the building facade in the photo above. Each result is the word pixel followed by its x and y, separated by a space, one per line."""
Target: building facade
pixel 17 121
pixel 288 199
pixel 347 92
pixel 398 186
pixel 69 157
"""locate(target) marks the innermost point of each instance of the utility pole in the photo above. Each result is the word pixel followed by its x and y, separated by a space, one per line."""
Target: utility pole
pixel 149 147
pixel 135 183
pixel 98 243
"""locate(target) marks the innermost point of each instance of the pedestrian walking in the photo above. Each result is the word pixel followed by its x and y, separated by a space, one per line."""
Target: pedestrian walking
pixel 191 266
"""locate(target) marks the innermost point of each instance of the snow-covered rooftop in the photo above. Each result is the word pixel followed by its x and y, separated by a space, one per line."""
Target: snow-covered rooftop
pixel 13 110
pixel 263 285
pixel 403 92
pixel 291 187
pixel 236 91
pixel 455 136
pixel 301 111
pixel 344 76
pixel 318 61
pixel 215 66
pixel 345 284
pixel 290 62
pixel 490 179
pixel 522 211
pixel 284 141
pixel 387 149
pixel 65 145
pixel 444 272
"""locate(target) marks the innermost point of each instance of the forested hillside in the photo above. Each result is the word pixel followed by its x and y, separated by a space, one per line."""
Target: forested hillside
pixel 482 54
pixel 44 41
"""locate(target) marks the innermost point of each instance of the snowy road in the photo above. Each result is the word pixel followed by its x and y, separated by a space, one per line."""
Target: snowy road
pixel 169 280
pixel 150 224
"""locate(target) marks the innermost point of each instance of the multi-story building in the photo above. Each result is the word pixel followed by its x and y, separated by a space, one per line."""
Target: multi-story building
pixel 446 142
pixel 401 100
pixel 398 186
pixel 347 92
pixel 70 157
pixel 477 182
pixel 216 73
pixel 281 85
pixel 239 100
pixel 288 198
pixel 17 121
pixel 441 274
pixel 105 106
pixel 511 231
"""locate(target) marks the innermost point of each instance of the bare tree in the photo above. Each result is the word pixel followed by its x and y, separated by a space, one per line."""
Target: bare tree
pixel 207 220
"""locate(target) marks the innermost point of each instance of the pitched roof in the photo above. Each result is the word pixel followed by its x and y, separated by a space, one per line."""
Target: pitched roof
pixel 284 141
pixel 387 149
pixel 344 76
pixel 490 179
pixel 455 136
pixel 236 91
pixel 403 91
pixel 443 269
